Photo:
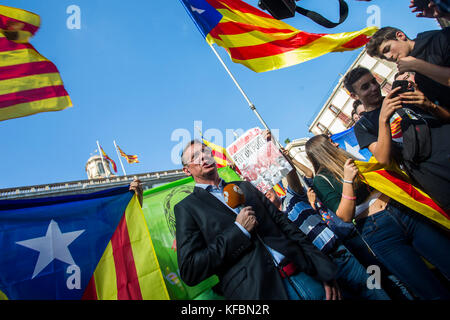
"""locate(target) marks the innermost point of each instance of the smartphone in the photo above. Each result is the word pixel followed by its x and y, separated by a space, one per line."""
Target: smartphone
pixel 404 84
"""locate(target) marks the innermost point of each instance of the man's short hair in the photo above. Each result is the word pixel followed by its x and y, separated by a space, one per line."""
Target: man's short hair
pixel 190 143
pixel 353 76
pixel 384 34
pixel 356 104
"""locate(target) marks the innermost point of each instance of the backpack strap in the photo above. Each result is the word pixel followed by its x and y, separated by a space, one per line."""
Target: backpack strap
pixel 319 19
pixel 367 125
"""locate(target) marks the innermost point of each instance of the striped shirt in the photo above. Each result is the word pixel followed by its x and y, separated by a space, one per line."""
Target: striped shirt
pixel 308 221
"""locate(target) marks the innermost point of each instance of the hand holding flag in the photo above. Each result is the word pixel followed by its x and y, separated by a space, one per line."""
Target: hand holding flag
pixel 391 180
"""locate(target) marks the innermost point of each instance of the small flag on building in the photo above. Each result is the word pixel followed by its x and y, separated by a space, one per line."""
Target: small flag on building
pixel 105 156
pixel 130 158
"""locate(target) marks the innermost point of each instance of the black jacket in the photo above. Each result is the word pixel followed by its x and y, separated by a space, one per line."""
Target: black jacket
pixel 209 242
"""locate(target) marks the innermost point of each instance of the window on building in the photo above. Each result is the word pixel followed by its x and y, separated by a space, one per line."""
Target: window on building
pixel 345 119
pixel 100 168
pixel 322 128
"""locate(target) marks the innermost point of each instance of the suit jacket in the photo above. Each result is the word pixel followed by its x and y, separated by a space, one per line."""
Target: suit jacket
pixel 209 242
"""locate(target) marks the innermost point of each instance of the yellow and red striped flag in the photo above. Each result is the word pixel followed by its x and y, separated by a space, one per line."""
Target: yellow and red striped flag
pixel 279 189
pixel 259 41
pixel 129 268
pixel 29 83
pixel 130 158
pixel 220 154
pixel 396 184
pixel 105 156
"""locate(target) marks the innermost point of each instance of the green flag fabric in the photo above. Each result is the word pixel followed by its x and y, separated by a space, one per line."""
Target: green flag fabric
pixel 158 211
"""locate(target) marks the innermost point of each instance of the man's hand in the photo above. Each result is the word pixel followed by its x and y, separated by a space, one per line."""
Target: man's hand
pixel 407 64
pixel 285 153
pixel 332 291
pixel 266 134
pixel 430 11
pixel 418 98
pixel 390 104
pixel 247 219
pixel 136 186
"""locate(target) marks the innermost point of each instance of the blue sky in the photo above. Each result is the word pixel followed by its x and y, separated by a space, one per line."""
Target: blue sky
pixel 139 72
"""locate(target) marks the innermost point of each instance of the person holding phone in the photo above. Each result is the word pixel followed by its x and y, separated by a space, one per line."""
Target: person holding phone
pixel 414 96
pixel 396 236
pixel 428 55
pixel 380 130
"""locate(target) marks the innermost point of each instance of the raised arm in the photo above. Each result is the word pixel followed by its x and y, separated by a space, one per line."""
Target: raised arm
pixel 382 149
pixel 437 73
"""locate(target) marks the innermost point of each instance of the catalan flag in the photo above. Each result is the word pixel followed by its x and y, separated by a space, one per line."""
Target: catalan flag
pixel 130 158
pixel 29 83
pixel 396 184
pixel 105 156
pixel 260 42
pixel 279 189
pixel 391 180
pixel 220 154
pixel 84 246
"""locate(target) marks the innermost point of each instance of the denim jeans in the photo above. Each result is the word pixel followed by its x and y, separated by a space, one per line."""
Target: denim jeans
pixel 352 278
pixel 390 283
pixel 400 238
pixel 308 287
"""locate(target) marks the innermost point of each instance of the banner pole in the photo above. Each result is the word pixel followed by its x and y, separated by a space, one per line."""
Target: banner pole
pixel 120 159
pixel 250 104
pixel 253 108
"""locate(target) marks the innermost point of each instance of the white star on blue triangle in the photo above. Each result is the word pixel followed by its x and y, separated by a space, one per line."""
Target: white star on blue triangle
pixel 54 245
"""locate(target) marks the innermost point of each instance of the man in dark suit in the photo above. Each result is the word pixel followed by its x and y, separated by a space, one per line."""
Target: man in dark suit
pixel 256 252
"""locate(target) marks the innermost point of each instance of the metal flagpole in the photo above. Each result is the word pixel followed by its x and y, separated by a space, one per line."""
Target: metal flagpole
pixel 253 108
pixel 103 162
pixel 250 104
pixel 120 158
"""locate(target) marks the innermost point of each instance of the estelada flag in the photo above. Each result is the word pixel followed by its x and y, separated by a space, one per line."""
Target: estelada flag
pixel 261 42
pixel 29 83
pixel 396 184
pixel 84 246
pixel 105 156
pixel 130 158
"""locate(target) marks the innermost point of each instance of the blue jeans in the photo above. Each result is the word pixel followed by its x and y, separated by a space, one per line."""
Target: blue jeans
pixel 352 277
pixel 308 287
pixel 400 239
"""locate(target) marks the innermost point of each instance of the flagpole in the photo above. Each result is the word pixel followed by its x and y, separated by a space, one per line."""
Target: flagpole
pixel 253 108
pixel 250 104
pixel 120 159
pixel 103 162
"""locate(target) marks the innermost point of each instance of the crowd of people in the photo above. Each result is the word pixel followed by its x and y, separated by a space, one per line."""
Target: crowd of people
pixel 333 236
